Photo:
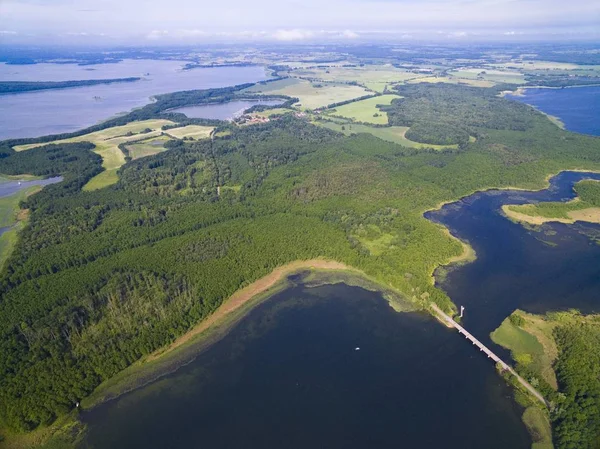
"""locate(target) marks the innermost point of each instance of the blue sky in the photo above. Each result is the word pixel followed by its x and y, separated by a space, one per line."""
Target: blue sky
pixel 189 21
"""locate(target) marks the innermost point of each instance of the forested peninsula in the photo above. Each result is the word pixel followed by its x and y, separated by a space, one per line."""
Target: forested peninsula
pixel 100 279
pixel 15 87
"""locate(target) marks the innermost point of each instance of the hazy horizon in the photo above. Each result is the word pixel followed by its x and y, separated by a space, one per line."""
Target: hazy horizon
pixel 111 22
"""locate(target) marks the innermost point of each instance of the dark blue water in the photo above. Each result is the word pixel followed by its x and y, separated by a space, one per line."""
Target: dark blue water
pixel 223 111
pixel 577 107
pixel 554 267
pixel 289 376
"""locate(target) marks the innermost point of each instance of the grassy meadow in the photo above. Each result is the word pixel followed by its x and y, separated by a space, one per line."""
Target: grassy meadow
pixel 310 95
pixel 366 110
pixel 191 131
pixel 393 134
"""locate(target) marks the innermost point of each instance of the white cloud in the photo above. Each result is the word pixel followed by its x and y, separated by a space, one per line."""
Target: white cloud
pixel 349 34
pixel 8 32
pixel 157 34
pixel 292 35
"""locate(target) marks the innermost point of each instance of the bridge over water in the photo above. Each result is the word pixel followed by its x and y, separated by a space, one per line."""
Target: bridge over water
pixel 505 367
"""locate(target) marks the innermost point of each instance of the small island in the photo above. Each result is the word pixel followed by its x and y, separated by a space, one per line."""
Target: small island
pixel 586 207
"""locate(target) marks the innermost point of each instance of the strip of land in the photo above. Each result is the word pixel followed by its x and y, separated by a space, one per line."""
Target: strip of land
pixel 16 87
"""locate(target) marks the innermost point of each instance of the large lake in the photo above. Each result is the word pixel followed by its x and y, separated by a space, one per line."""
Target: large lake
pixel 33 114
pixel 289 376
pixel 577 107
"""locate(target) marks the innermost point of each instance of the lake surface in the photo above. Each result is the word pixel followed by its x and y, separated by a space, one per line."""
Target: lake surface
pixel 223 111
pixel 289 376
pixel 555 267
pixel 33 114
pixel 577 107
pixel 8 188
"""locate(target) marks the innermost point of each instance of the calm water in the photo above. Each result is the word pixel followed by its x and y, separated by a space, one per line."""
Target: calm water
pixel 34 114
pixel 8 188
pixel 288 376
pixel 223 111
pixel 557 267
pixel 578 108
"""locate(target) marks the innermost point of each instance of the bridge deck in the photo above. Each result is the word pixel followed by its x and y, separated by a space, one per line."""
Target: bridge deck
pixel 461 330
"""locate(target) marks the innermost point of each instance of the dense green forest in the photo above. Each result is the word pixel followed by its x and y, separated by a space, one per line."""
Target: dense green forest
pixel 13 87
pixel 577 420
pixel 101 278
pixel 441 114
pixel 575 397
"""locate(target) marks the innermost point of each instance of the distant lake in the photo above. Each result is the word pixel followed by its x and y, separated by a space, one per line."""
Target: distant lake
pixel 223 111
pixel 577 107
pixel 290 376
pixel 33 114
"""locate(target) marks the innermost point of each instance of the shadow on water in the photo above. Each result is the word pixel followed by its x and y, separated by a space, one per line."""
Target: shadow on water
pixel 555 266
pixel 290 375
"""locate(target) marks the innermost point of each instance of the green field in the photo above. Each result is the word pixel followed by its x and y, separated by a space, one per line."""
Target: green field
pixel 107 146
pixel 147 147
pixel 525 347
pixel 452 80
pixel 394 134
pixel 376 78
pixel 495 76
pixel 191 132
pixel 9 217
pixel 366 110
pixel 311 95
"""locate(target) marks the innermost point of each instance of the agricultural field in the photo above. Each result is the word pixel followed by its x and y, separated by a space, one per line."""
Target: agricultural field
pixel 366 110
pixel 311 95
pixel 191 131
pixel 376 78
pixel 147 147
pixel 495 76
pixel 452 80
pixel 107 143
pixel 394 134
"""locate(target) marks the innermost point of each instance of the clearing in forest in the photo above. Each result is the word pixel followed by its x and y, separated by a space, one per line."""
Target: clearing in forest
pixel 395 134
pixel 191 131
pixel 148 147
pixel 366 110
pixel 311 95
